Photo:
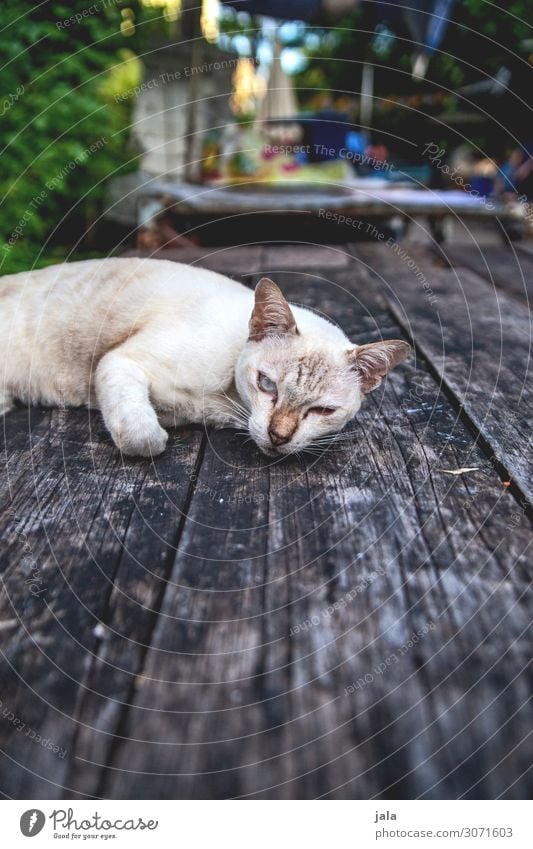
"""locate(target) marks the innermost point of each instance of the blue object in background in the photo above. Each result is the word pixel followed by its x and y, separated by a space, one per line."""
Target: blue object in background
pixel 427 19
pixel 327 134
pixel 356 141
pixel 302 157
pixel 506 176
pixel 482 185
pixel 437 23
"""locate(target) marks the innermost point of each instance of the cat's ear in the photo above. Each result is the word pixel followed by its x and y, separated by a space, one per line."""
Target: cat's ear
pixel 271 315
pixel 373 361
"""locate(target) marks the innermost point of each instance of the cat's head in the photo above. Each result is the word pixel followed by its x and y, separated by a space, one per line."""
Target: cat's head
pixel 301 384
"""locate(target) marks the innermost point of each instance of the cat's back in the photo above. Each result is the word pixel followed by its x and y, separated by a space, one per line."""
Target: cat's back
pixel 75 312
pixel 112 278
pixel 108 295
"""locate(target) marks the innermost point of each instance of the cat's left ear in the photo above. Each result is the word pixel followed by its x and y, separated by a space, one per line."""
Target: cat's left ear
pixel 271 315
pixel 373 361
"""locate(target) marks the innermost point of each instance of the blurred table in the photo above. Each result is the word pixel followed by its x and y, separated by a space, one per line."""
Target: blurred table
pixel 368 198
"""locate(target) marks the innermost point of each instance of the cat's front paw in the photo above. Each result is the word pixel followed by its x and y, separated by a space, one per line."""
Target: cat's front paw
pixel 140 439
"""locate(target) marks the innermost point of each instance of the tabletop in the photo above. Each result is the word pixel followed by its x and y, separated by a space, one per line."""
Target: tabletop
pixel 354 624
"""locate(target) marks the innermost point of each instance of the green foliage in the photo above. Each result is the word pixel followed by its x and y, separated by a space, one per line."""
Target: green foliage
pixel 62 132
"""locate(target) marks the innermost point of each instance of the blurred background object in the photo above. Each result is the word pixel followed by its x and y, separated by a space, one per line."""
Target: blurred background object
pixel 102 101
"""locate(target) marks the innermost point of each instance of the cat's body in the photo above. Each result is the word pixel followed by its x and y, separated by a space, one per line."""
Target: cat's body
pixel 61 321
pixel 154 343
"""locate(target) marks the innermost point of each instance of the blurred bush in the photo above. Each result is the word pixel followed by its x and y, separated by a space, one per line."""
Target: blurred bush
pixel 63 130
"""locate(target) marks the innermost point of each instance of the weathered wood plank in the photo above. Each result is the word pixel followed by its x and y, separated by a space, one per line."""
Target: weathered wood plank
pixel 65 530
pixel 280 663
pixel 197 695
pixel 525 247
pixel 404 518
pixel 505 267
pixel 247 259
pixel 304 257
pixel 244 259
pixel 478 341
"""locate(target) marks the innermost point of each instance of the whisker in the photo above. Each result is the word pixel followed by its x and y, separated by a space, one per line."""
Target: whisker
pixel 235 404
pixel 328 440
pixel 328 445
pixel 239 417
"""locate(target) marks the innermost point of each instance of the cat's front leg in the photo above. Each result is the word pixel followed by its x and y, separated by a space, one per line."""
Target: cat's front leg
pixel 123 393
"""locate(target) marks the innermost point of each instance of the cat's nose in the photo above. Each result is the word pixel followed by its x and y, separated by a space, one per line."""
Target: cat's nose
pixel 278 438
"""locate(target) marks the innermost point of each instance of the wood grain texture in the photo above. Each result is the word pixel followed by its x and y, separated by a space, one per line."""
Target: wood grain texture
pixel 231 261
pixel 350 625
pixel 508 268
pixel 67 528
pixel 478 340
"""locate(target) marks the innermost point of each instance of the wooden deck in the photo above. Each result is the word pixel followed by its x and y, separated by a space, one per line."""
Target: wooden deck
pixel 356 625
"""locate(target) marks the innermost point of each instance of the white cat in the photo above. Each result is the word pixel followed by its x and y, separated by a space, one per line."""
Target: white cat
pixel 153 343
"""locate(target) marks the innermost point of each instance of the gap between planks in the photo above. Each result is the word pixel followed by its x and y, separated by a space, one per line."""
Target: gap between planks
pixel 118 736
pixel 423 257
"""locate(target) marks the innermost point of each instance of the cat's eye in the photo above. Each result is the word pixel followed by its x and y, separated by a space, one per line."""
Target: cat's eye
pixel 322 411
pixel 266 384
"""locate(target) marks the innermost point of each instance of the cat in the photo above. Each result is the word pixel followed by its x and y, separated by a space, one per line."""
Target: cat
pixel 153 343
